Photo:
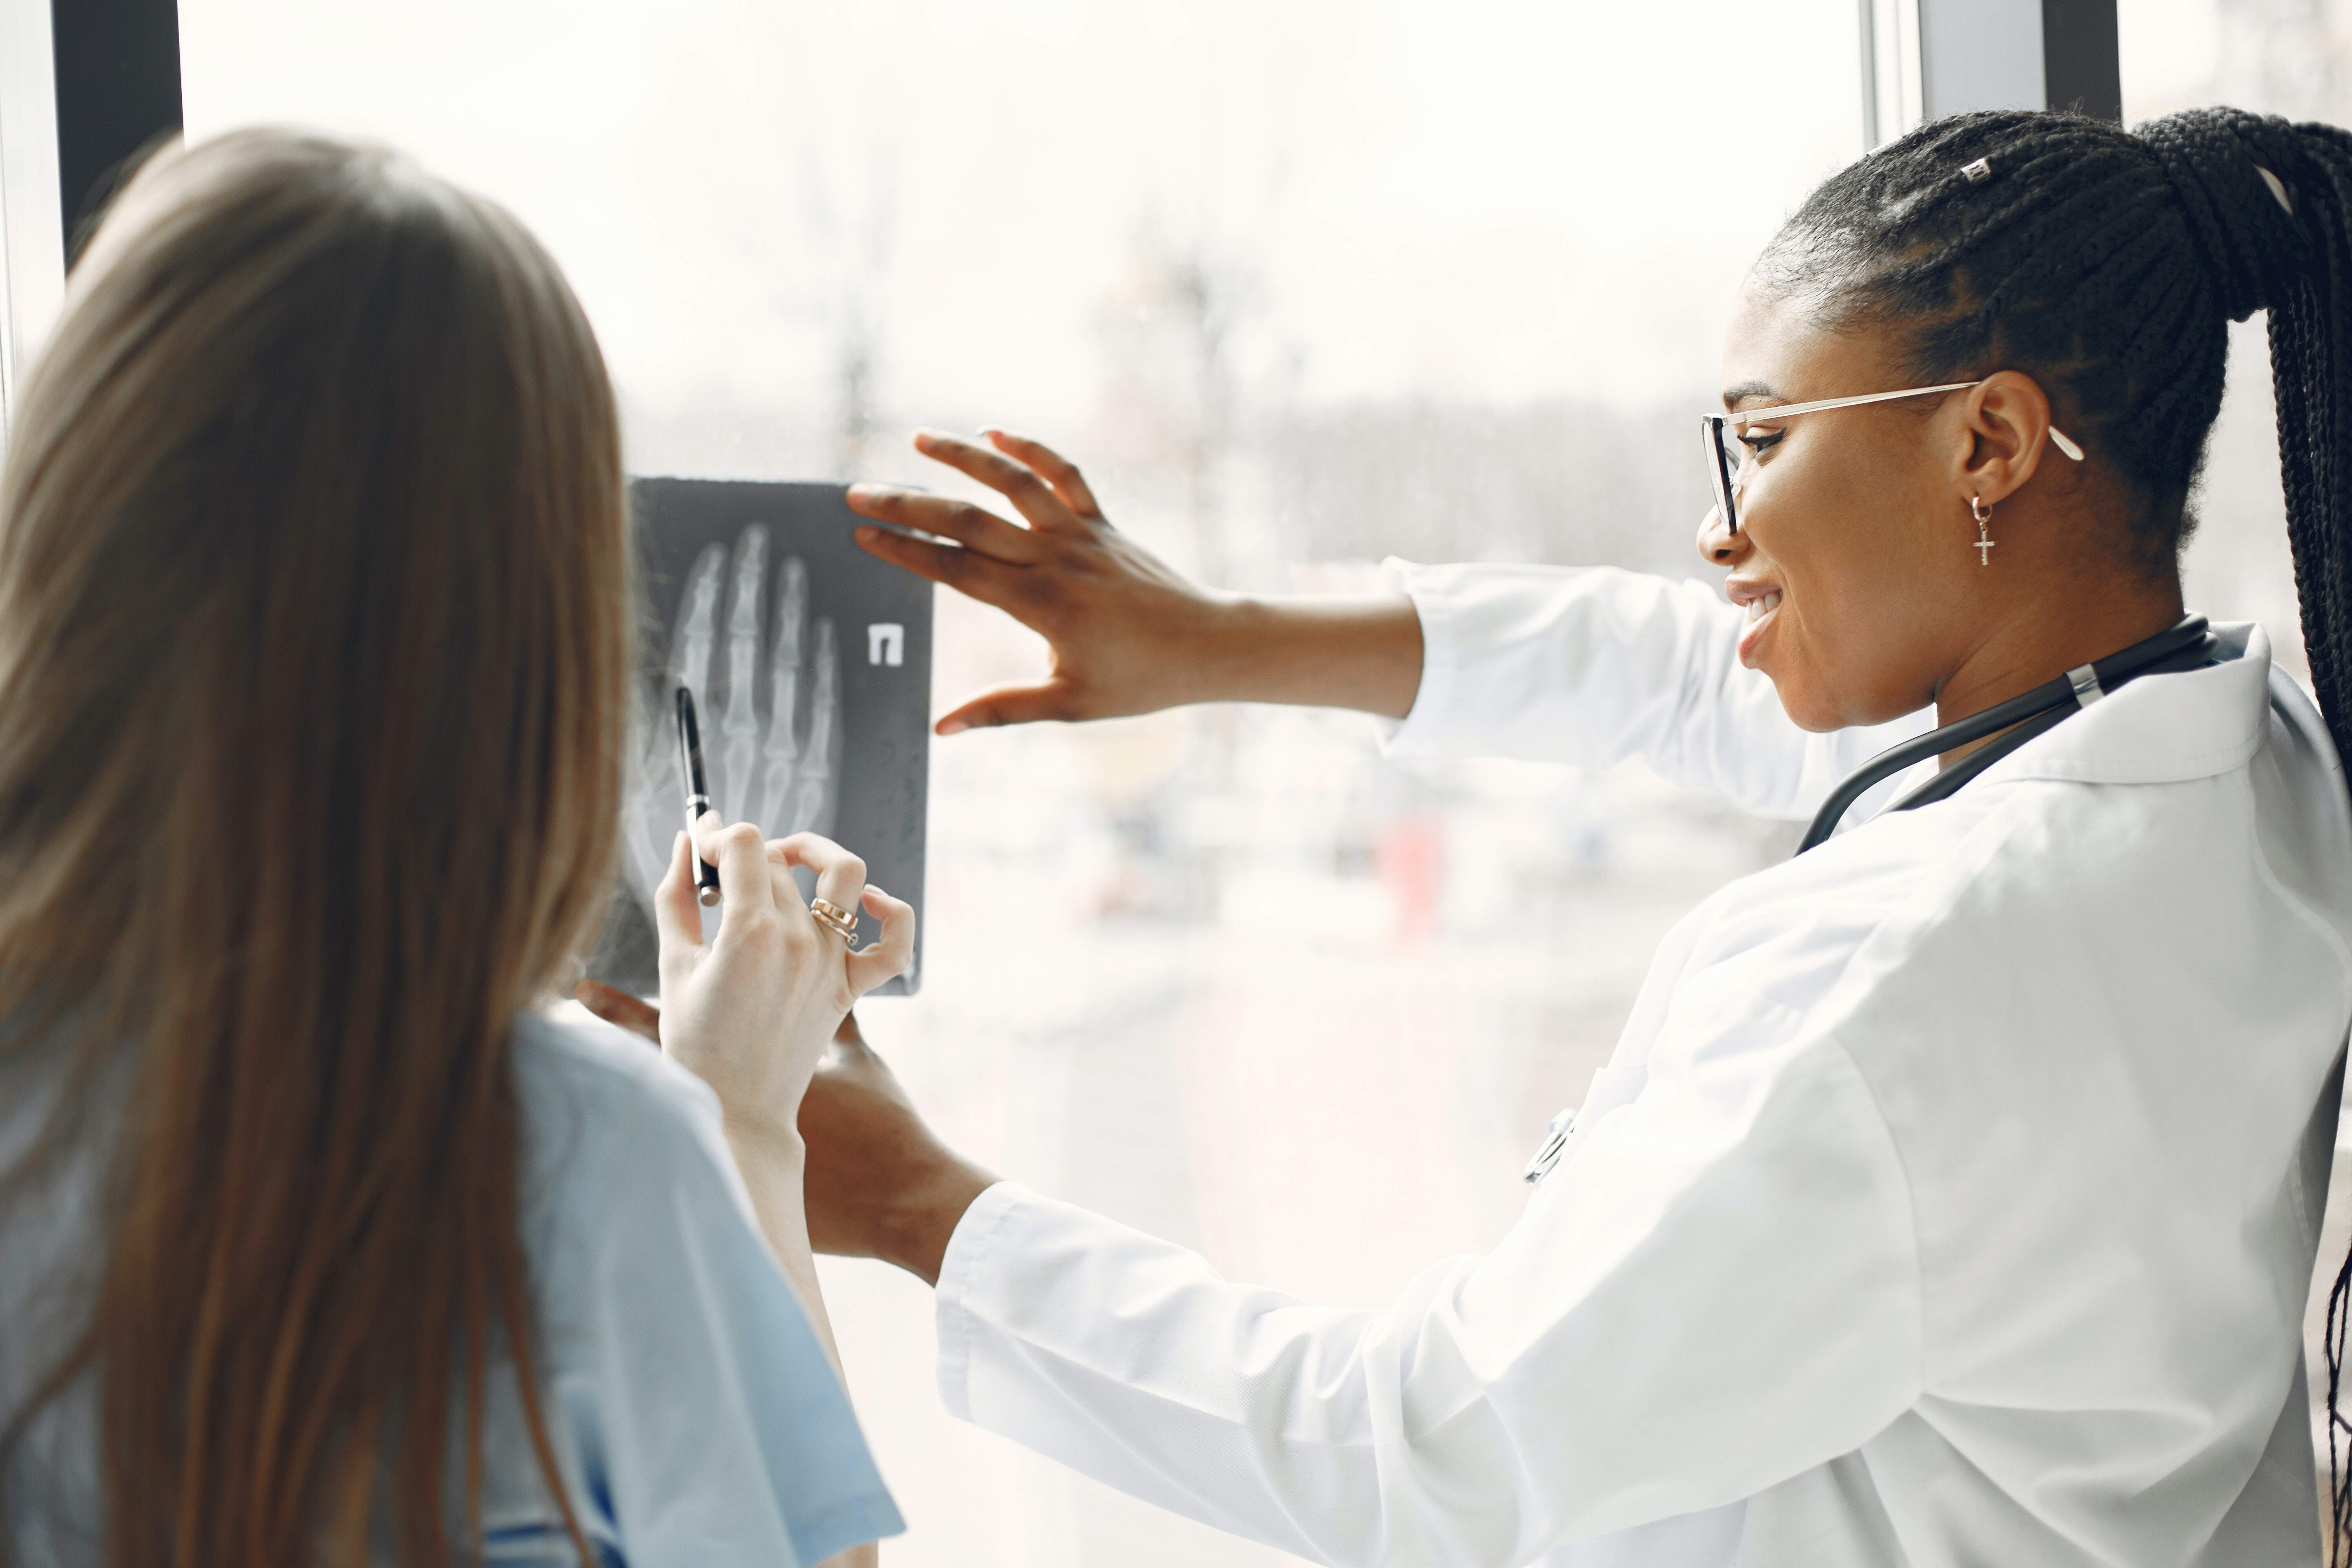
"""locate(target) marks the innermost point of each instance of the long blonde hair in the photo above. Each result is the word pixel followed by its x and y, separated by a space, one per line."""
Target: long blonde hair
pixel 314 652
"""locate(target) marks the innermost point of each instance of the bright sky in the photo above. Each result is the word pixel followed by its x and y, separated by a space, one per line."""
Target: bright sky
pixel 2168 48
pixel 1484 199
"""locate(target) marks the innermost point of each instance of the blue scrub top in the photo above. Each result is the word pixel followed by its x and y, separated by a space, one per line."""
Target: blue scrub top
pixel 700 1420
pixel 694 1413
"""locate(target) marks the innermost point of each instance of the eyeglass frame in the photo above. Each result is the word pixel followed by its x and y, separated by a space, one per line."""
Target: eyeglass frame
pixel 1724 476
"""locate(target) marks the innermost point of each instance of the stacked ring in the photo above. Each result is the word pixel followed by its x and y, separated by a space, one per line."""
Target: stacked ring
pixel 836 920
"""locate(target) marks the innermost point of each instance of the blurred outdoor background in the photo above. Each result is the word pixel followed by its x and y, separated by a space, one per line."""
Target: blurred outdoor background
pixel 1303 284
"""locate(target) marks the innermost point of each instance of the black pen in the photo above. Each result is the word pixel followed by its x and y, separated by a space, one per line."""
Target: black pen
pixel 697 793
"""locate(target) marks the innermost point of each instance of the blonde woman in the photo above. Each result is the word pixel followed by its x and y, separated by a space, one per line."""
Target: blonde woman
pixel 317 1242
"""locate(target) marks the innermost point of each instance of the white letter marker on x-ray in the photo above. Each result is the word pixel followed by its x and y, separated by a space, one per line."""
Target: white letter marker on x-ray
pixel 886 643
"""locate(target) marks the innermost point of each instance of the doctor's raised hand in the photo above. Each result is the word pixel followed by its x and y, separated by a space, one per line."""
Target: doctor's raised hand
pixel 1127 634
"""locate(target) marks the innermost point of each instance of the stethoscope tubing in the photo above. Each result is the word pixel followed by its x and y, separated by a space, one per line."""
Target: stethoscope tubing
pixel 2187 645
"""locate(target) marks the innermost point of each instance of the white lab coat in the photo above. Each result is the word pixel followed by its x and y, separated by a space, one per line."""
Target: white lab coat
pixel 1950 1198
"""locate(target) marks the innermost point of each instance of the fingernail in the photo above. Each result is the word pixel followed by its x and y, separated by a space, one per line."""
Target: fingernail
pixel 953 726
pixel 865 533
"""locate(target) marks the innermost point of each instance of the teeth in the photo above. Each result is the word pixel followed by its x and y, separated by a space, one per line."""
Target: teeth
pixel 1759 608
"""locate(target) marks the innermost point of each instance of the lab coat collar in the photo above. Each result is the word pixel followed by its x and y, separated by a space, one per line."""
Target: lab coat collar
pixel 2161 729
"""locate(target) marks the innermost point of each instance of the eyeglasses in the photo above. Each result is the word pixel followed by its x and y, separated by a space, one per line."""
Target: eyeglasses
pixel 1728 474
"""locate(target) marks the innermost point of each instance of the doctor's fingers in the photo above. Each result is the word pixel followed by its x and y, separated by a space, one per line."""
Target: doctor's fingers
pixel 1022 702
pixel 1053 468
pixel 893 951
pixel 1017 482
pixel 968 572
pixel 975 528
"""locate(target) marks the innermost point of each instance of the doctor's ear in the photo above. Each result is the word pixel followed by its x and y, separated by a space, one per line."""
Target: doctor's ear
pixel 2005 428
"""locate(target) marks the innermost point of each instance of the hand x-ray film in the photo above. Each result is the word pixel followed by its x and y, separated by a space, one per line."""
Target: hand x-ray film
pixel 810 667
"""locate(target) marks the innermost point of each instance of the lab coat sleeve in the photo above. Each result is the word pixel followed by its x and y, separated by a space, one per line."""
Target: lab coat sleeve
pixel 1720 1291
pixel 1593 664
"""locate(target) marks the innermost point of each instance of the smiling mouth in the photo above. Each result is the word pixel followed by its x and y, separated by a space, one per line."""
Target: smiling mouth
pixel 1760 611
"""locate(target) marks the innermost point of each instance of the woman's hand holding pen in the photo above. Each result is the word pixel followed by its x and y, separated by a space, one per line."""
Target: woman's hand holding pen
pixel 754 1012
pixel 1126 633
pixel 750 1012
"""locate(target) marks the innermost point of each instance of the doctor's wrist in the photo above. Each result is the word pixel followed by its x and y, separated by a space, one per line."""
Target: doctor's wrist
pixel 922 1219
pixel 1360 651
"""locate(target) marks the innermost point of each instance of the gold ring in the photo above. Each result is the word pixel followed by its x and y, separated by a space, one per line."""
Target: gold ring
pixel 836 920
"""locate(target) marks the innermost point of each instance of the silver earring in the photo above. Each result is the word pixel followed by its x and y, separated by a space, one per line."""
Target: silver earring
pixel 1983 514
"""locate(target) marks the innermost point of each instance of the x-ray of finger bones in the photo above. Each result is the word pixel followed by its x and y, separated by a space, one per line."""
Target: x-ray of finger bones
pixel 810 664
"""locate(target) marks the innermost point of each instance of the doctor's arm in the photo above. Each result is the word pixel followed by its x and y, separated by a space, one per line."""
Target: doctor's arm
pixel 1552 664
pixel 1717 1293
pixel 1127 635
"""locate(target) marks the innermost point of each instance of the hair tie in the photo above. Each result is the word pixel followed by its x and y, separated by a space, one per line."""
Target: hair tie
pixel 2278 189
pixel 2252 248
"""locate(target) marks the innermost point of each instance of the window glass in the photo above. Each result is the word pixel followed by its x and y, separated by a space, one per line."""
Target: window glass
pixel 1302 285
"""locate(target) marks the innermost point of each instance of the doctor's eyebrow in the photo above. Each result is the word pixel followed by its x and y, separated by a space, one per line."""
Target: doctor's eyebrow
pixel 1732 395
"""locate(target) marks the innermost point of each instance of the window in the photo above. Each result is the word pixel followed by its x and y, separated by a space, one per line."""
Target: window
pixel 1302 285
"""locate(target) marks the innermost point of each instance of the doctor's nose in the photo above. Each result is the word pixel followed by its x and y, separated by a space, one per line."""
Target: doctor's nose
pixel 1717 545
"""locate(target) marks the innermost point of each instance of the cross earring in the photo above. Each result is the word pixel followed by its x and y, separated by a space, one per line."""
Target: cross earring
pixel 1983 514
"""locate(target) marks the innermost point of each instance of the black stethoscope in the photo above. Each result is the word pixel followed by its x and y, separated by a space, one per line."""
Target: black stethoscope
pixel 2187 645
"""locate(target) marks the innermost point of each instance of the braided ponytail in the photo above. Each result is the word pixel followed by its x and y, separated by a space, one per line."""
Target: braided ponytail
pixel 2310 359
pixel 2107 264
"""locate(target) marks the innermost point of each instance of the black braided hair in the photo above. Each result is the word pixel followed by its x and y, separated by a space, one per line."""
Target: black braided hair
pixel 2106 264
